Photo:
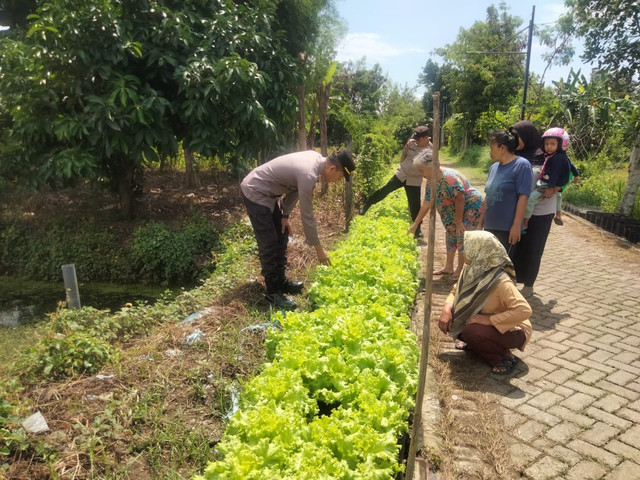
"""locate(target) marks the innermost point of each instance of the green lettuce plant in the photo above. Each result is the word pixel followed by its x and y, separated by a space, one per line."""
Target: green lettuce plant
pixel 340 383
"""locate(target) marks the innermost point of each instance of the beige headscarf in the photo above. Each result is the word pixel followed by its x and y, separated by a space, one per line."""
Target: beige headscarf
pixel 486 265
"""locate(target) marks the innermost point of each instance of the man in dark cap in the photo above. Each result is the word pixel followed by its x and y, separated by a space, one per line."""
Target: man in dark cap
pixel 270 191
pixel 406 175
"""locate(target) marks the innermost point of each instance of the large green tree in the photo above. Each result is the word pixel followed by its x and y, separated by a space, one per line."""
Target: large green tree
pixel 611 32
pixel 308 27
pixel 358 96
pixel 99 86
pixel 432 77
pixel 484 66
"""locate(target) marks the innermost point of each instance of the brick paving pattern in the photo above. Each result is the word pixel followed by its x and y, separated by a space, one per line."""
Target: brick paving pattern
pixel 572 408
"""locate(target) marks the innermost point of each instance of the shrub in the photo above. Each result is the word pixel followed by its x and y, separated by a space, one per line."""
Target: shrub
pixel 454 132
pixel 374 158
pixel 602 191
pixel 477 156
pixel 39 253
pixel 60 355
pixel 488 122
pixel 161 255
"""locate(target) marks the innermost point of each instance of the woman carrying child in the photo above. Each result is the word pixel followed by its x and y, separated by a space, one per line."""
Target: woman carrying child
pixel 528 254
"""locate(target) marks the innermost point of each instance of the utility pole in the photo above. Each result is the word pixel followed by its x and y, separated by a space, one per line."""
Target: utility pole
pixel 526 70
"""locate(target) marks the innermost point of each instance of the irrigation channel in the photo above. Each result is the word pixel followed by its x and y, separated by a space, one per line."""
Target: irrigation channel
pixel 24 305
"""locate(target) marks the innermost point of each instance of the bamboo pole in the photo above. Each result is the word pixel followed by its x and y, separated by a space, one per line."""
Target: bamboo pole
pixel 428 288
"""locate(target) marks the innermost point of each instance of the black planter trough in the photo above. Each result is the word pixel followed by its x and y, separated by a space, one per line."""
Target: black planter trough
pixel 616 223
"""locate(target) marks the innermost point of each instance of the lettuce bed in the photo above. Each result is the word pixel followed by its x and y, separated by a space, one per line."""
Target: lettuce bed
pixel 341 381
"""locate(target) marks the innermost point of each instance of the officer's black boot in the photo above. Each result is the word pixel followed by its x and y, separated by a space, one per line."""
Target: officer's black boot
pixel 275 296
pixel 287 285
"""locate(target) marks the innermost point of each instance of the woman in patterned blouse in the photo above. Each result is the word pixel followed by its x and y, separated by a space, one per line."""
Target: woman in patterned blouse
pixel 459 206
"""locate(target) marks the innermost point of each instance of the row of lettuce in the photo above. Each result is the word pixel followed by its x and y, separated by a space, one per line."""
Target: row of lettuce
pixel 340 384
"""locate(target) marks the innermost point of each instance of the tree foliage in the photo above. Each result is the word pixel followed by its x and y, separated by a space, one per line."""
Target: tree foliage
pixel 432 77
pixel 483 66
pixel 101 85
pixel 358 97
pixel 13 13
pixel 611 32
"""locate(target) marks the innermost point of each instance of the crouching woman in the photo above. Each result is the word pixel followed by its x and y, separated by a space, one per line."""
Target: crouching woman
pixel 485 311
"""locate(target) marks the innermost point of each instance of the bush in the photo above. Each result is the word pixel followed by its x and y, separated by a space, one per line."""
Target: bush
pixel 602 191
pixel 157 255
pixel 60 355
pixel 454 132
pixel 39 254
pixel 374 158
pixel 488 122
pixel 475 156
pixel 165 256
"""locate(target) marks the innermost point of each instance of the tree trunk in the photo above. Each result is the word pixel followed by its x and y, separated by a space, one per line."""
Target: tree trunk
pixel 323 105
pixel 633 183
pixel 125 188
pixel 311 136
pixel 322 93
pixel 302 130
pixel 348 204
pixel 191 178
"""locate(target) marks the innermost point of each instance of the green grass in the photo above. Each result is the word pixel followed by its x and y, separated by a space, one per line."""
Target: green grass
pixel 475 173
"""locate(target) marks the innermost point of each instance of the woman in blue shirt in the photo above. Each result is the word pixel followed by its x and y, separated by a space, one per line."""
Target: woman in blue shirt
pixel 507 189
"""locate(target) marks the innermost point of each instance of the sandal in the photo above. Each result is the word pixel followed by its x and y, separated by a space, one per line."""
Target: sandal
pixel 526 293
pixel 442 271
pixel 505 366
pixel 513 359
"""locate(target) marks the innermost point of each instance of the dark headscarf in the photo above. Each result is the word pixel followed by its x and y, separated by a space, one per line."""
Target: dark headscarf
pixel 530 136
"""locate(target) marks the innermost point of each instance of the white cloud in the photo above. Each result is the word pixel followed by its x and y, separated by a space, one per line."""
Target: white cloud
pixel 369 45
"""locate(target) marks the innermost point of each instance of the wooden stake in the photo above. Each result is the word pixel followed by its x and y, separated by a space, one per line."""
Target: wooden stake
pixel 428 288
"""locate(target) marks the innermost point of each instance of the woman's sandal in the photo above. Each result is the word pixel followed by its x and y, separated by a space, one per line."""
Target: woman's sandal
pixel 442 271
pixel 460 345
pixel 505 366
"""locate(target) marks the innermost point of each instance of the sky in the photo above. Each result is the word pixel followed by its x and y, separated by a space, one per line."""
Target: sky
pixel 401 35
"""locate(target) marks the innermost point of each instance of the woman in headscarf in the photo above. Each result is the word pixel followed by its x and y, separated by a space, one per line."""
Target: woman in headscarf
pixel 528 252
pixel 485 310
pixel 529 143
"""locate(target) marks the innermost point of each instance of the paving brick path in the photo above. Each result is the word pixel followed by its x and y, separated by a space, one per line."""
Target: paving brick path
pixel 572 409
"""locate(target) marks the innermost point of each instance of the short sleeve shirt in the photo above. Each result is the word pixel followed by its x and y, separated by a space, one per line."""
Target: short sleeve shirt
pixel 505 184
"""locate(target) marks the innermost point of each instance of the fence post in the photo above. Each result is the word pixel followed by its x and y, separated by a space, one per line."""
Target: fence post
pixel 71 285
